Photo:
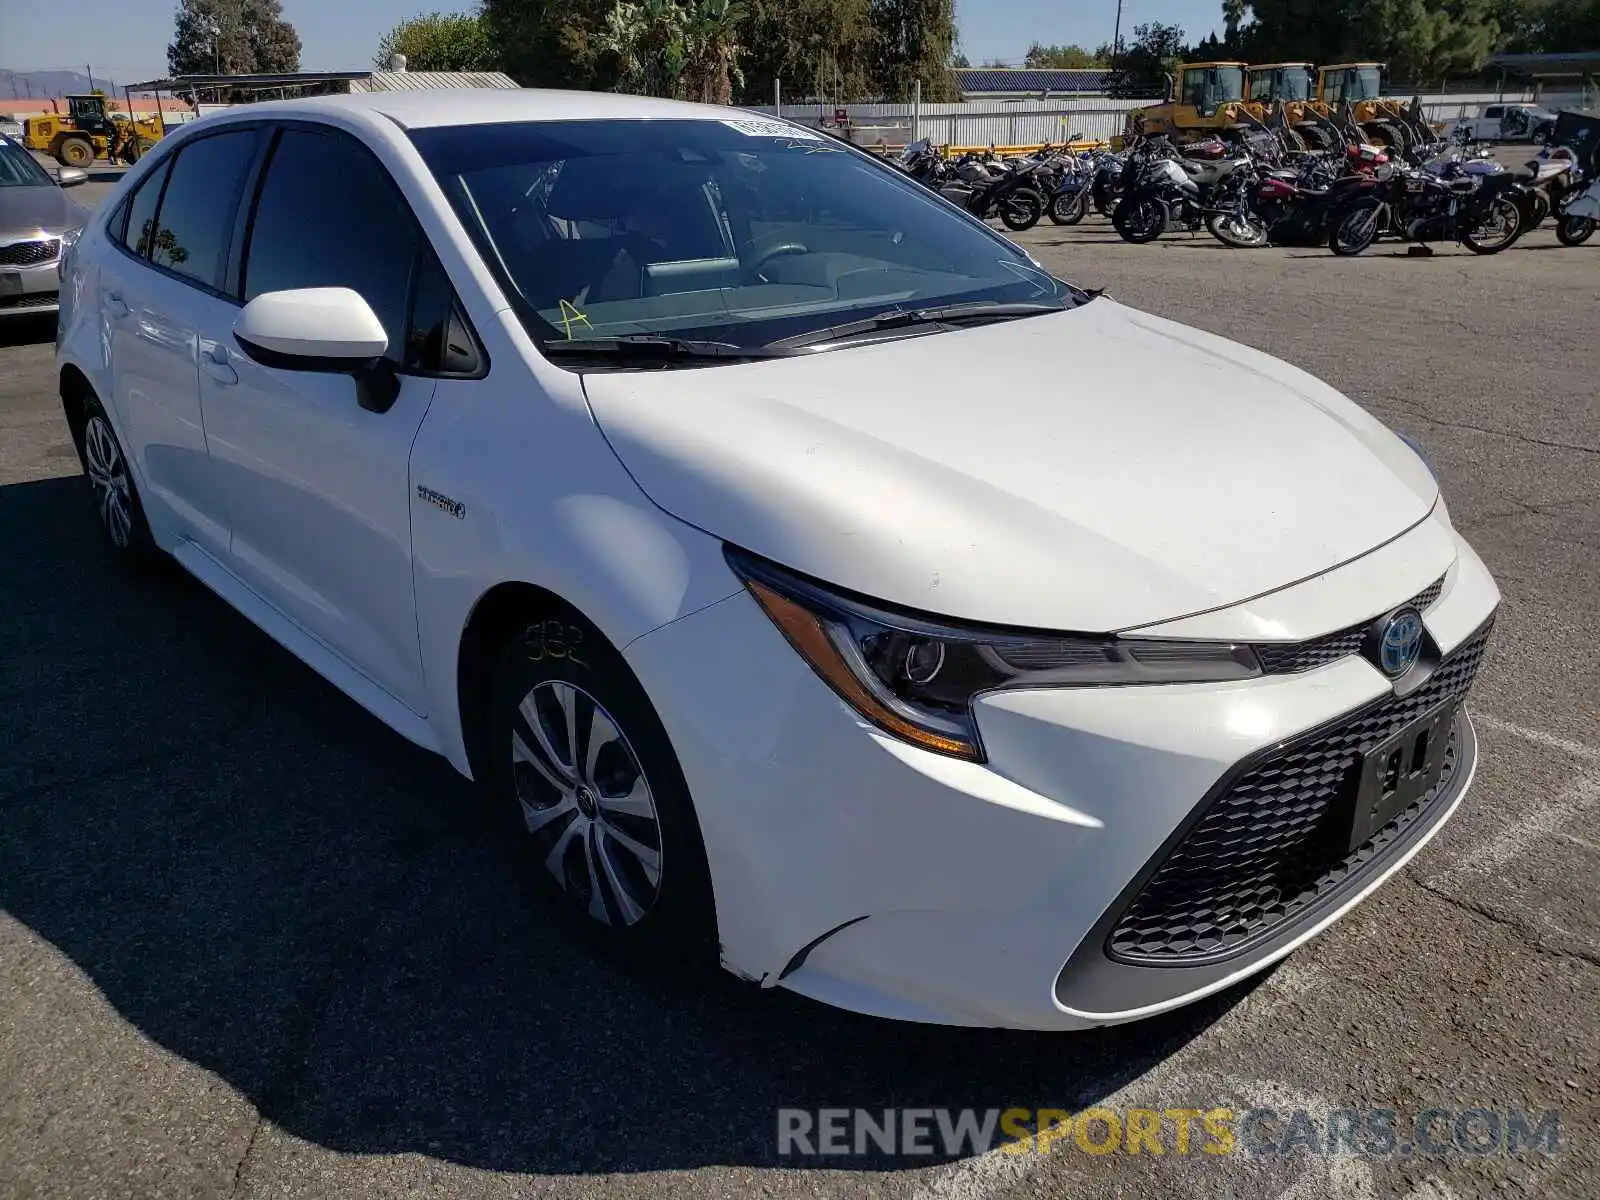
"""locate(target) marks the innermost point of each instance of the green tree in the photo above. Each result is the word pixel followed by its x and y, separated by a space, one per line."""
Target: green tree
pixel 819 49
pixel 552 43
pixel 1062 58
pixel 914 41
pixel 439 42
pixel 232 37
pixel 686 50
pixel 713 51
pixel 1155 53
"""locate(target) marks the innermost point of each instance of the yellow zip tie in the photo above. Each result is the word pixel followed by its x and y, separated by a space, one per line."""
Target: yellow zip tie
pixel 569 314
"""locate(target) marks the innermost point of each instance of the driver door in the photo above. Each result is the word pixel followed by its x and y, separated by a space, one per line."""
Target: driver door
pixel 317 488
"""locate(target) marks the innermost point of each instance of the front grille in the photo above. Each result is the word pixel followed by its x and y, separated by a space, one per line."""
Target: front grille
pixel 1273 842
pixel 29 300
pixel 30 254
pixel 1293 657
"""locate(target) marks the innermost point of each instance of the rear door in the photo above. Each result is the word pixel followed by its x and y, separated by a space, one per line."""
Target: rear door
pixel 318 490
pixel 174 237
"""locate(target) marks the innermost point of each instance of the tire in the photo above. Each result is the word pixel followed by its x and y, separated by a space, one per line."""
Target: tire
pixel 1069 210
pixel 116 498
pixel 75 152
pixel 137 149
pixel 1356 230
pixel 1022 209
pixel 1509 217
pixel 1574 231
pixel 609 830
pixel 1140 221
pixel 1232 230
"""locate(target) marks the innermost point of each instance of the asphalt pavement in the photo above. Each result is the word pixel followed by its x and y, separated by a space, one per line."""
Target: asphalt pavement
pixel 253 944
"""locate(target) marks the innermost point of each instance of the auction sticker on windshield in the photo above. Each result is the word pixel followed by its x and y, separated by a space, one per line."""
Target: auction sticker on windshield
pixel 756 127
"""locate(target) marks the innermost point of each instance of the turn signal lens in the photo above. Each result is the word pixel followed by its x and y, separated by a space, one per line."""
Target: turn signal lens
pixel 807 634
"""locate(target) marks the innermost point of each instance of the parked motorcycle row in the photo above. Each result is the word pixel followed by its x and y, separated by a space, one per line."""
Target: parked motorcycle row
pixel 1263 189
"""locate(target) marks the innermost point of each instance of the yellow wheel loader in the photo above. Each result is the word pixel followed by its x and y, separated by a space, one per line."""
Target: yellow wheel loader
pixel 1206 99
pixel 88 132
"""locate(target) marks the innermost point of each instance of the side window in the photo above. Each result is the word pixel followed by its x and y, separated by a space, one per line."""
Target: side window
pixel 438 341
pixel 328 215
pixel 196 216
pixel 139 218
pixel 1494 110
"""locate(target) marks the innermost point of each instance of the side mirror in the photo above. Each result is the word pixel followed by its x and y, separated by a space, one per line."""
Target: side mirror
pixel 71 177
pixel 331 330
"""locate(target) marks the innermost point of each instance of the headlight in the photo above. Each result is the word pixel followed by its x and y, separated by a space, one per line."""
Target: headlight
pixel 917 677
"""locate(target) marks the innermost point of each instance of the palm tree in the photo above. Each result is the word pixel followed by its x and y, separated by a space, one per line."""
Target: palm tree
pixel 648 40
pixel 713 51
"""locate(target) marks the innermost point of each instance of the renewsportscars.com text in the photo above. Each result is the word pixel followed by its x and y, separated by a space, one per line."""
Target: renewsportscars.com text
pixel 1372 1132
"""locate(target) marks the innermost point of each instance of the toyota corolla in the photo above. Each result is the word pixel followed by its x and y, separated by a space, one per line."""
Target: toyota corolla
pixel 813 581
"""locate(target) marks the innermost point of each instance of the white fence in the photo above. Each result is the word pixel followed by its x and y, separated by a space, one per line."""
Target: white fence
pixel 1033 122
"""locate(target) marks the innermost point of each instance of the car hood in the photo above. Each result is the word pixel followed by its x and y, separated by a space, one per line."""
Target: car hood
pixel 28 211
pixel 1094 470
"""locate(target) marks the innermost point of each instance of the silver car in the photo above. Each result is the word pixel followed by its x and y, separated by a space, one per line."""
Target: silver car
pixel 35 217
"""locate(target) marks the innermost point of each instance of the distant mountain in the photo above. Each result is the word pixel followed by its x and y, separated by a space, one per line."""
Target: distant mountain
pixel 52 83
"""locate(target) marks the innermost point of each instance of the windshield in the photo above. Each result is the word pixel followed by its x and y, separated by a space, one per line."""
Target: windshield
pixel 742 232
pixel 18 169
pixel 1282 83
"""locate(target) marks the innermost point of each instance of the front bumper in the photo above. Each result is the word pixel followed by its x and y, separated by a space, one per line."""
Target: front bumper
pixel 875 876
pixel 29 288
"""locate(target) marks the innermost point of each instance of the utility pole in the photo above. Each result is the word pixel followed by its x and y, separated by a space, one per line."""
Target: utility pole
pixel 1116 35
pixel 90 68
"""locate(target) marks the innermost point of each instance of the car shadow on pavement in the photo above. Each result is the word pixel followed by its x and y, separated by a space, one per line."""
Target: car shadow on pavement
pixel 27 331
pixel 265 881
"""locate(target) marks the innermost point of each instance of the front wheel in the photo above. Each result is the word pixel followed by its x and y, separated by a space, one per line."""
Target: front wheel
pixel 75 152
pixel 1140 221
pixel 1574 231
pixel 1497 230
pixel 1237 229
pixel 1068 209
pixel 584 774
pixel 1357 229
pixel 1022 209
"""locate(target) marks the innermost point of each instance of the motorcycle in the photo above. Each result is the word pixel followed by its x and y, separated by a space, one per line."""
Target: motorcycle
pixel 1285 209
pixel 1167 188
pixel 984 190
pixel 1477 210
pixel 1580 216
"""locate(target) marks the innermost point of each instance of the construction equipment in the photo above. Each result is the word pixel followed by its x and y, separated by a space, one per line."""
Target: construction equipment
pixel 88 132
pixel 1356 89
pixel 1205 100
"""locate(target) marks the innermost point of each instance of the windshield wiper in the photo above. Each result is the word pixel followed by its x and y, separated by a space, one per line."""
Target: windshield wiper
pixel 900 318
pixel 652 347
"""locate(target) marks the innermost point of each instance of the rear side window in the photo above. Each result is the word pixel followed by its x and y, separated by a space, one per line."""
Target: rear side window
pixel 329 216
pixel 1494 110
pixel 138 220
pixel 197 211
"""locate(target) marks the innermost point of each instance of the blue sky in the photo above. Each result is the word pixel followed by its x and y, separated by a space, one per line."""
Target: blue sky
pixel 126 40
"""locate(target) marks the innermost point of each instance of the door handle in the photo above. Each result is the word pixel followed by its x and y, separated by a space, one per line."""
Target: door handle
pixel 117 305
pixel 218 369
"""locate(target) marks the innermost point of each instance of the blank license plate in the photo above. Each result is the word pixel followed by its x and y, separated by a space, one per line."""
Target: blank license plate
pixel 1401 771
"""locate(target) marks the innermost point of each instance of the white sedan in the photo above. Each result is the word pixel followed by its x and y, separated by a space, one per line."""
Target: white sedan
pixel 814 582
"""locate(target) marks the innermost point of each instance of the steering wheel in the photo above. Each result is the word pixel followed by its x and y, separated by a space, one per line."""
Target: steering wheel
pixel 780 251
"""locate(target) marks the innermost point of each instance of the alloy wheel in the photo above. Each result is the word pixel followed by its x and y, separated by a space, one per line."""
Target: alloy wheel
pixel 108 476
pixel 586 801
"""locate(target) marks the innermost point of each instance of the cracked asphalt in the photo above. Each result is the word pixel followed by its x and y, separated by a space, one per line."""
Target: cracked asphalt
pixel 252 943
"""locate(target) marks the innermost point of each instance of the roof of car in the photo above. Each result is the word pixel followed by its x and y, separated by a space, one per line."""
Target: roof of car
pixel 484 106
